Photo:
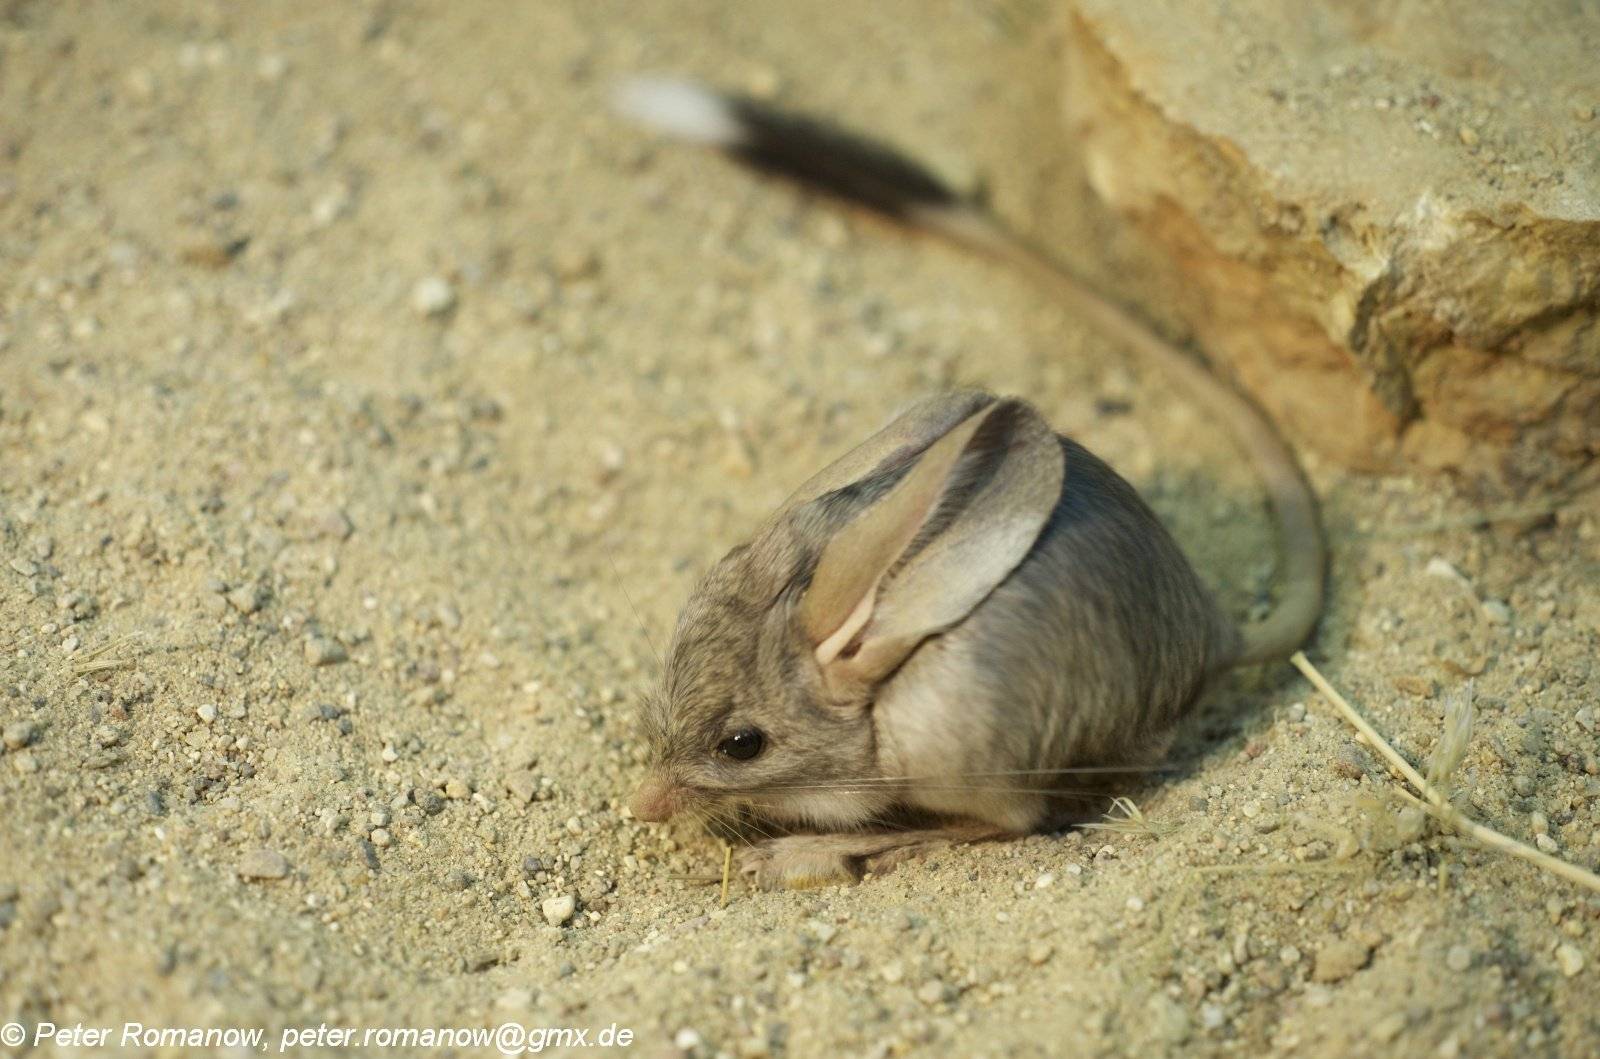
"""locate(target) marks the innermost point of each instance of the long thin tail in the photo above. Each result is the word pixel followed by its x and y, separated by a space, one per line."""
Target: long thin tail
pixel 869 174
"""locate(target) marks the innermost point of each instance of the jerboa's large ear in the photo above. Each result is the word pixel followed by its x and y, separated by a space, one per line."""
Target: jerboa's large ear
pixel 911 431
pixel 932 547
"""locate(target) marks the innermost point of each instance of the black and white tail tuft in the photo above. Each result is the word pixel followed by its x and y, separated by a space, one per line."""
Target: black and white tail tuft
pixel 813 153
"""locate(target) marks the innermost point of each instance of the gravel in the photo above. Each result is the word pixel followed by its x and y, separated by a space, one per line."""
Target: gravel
pixel 433 296
pixel 1340 959
pixel 523 786
pixel 322 651
pixel 263 864
pixel 19 734
pixel 246 599
pixel 559 909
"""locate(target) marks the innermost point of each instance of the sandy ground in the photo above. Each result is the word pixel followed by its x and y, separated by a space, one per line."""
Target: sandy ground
pixel 354 363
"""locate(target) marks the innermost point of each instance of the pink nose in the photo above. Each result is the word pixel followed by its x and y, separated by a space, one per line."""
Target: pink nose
pixel 656 799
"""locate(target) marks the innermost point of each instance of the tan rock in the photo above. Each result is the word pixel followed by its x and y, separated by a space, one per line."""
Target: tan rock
pixel 263 864
pixel 1395 291
pixel 1340 959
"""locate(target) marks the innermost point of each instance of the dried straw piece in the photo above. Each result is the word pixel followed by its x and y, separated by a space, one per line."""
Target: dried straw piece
pixel 1131 821
pixel 1431 800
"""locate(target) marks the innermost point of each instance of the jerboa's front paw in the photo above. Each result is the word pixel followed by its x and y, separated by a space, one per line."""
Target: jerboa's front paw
pixel 799 862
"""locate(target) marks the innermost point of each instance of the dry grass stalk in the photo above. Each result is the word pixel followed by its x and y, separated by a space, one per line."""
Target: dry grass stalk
pixel 1433 800
pixel 95 660
pixel 1131 821
pixel 1309 867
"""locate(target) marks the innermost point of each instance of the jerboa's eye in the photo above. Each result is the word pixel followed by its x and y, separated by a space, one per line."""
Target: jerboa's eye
pixel 742 745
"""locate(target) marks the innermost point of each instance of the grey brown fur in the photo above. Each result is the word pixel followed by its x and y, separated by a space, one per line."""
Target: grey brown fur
pixel 940 630
pixel 1084 654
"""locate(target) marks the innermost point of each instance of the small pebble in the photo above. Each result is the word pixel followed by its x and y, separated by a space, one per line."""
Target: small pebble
pixel 1167 1019
pixel 1459 958
pixel 557 910
pixel 456 789
pixel 1040 952
pixel 272 67
pixel 1340 959
pixel 19 734
pixel 931 991
pixel 523 786
pixel 1389 1027
pixel 1440 568
pixel 1212 1016
pixel 687 1040
pixel 321 651
pixel 1135 904
pixel 433 296
pixel 1546 844
pixel 1496 612
pixel 1539 822
pixel 206 713
pixel 263 864
pixel 334 524
pixel 246 599
pixel 575 263
pixel 514 999
pixel 892 972
pixel 381 837
pixel 480 961
pixel 1569 959
pixel 1296 713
